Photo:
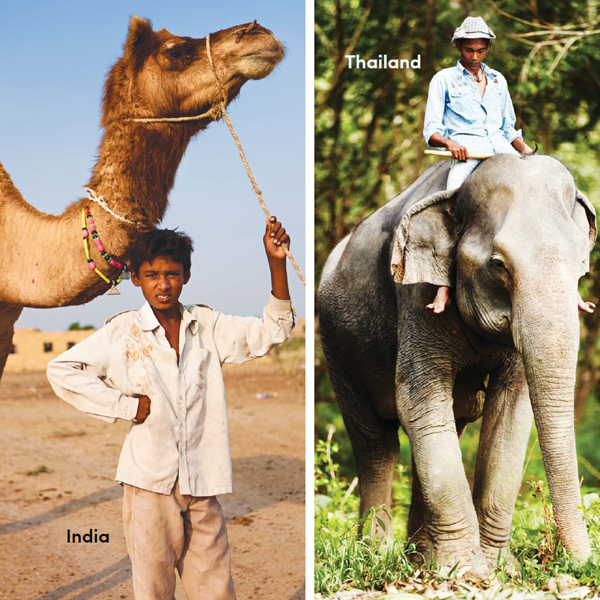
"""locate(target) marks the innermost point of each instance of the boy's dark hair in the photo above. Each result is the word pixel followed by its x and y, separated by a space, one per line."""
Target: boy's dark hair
pixel 162 242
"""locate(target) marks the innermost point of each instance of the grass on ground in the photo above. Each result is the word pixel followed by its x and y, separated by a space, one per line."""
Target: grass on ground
pixel 344 561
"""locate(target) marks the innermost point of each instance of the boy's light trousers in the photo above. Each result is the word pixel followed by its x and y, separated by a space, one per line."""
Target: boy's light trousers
pixel 176 531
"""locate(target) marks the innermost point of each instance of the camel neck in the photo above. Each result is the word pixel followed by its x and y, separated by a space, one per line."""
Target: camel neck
pixel 137 165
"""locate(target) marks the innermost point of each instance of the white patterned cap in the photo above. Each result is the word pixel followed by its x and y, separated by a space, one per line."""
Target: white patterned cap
pixel 473 28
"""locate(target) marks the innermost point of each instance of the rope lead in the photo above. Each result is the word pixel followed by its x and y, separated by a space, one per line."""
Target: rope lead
pixel 258 193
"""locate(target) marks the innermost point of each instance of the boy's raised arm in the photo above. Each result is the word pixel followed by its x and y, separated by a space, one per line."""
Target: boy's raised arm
pixel 239 339
pixel 275 236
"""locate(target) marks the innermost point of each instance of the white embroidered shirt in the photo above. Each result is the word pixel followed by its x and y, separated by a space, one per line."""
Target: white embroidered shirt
pixel 186 435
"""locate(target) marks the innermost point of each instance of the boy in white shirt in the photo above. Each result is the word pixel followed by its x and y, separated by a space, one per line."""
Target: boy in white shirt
pixel 160 367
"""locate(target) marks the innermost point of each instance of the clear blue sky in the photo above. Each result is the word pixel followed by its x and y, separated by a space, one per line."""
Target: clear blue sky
pixel 54 60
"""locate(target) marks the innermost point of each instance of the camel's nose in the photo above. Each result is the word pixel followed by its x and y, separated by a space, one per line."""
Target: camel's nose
pixel 261 29
pixel 253 29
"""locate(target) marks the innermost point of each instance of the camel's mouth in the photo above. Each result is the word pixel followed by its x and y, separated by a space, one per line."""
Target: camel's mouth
pixel 272 55
pixel 269 54
pixel 257 64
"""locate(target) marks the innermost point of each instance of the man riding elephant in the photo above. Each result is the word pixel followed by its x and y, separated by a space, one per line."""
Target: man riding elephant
pixel 513 241
pixel 469 112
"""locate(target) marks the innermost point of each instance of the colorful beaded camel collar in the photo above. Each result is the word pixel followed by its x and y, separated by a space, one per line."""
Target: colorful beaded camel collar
pixel 90 228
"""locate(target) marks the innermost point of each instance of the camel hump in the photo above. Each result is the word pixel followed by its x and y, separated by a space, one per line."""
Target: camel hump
pixel 123 312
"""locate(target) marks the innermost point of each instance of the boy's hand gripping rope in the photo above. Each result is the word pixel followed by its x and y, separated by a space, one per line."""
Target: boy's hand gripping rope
pixel 258 193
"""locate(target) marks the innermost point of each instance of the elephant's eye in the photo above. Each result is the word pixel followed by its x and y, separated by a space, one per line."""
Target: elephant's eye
pixel 496 261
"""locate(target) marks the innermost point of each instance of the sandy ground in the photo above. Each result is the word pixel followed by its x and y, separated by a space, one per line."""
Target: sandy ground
pixel 265 515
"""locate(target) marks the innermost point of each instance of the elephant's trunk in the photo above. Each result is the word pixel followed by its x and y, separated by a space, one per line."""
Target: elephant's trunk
pixel 546 331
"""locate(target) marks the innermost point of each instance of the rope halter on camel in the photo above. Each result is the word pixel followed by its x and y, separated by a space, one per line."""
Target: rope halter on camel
pixel 104 204
pixel 217 112
pixel 223 106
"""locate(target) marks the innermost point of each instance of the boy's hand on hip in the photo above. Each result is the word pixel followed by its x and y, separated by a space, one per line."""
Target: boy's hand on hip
pixel 143 409
pixel 274 237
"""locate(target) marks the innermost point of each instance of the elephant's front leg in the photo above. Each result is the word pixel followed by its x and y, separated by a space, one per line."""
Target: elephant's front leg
pixel 505 430
pixel 415 527
pixel 425 406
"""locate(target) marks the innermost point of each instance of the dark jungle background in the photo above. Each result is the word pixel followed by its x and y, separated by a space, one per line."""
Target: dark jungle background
pixel 369 147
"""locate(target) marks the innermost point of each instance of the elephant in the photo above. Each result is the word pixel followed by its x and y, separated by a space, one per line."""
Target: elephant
pixel 512 243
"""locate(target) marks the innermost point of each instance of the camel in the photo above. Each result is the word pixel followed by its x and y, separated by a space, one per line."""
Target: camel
pixel 42 260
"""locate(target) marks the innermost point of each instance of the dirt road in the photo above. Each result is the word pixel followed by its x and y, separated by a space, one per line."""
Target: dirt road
pixel 57 469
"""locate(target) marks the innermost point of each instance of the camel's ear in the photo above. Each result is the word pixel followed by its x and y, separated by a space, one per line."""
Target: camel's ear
pixel 138 45
pixel 584 216
pixel 425 240
pixel 141 39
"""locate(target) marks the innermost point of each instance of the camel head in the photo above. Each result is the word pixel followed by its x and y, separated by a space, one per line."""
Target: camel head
pixel 165 75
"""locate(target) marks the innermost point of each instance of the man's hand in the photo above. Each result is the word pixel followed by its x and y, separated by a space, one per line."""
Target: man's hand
pixel 458 152
pixel 520 146
pixel 275 236
pixel 439 141
pixel 143 409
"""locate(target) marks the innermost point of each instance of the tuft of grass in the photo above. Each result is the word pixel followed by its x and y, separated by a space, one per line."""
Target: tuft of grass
pixel 344 560
pixel 37 471
pixel 66 433
pixel 536 544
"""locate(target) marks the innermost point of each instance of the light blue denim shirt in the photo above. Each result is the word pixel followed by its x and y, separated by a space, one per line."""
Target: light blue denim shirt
pixel 456 110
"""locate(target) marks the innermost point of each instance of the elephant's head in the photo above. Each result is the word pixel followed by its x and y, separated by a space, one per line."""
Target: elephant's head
pixel 513 242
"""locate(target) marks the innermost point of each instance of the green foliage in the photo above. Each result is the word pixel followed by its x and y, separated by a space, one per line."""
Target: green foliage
pixel 345 560
pixel 368 127
pixel 37 471
pixel 535 542
pixel 341 557
pixel 327 472
pixel 588 449
pixel 77 327
pixel 369 147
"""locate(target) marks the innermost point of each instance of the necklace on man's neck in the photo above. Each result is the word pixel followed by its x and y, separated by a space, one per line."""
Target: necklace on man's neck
pixel 478 77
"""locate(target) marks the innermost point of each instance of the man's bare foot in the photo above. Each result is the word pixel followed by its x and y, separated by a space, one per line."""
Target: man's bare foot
pixel 585 306
pixel 441 300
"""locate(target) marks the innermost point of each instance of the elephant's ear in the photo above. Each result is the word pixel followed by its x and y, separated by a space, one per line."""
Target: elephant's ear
pixel 584 216
pixel 425 240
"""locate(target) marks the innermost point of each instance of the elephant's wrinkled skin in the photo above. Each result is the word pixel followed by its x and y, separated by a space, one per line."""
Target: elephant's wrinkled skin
pixel 513 242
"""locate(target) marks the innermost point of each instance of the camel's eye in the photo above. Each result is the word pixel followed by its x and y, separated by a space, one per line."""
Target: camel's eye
pixel 178 55
pixel 175 52
pixel 179 52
